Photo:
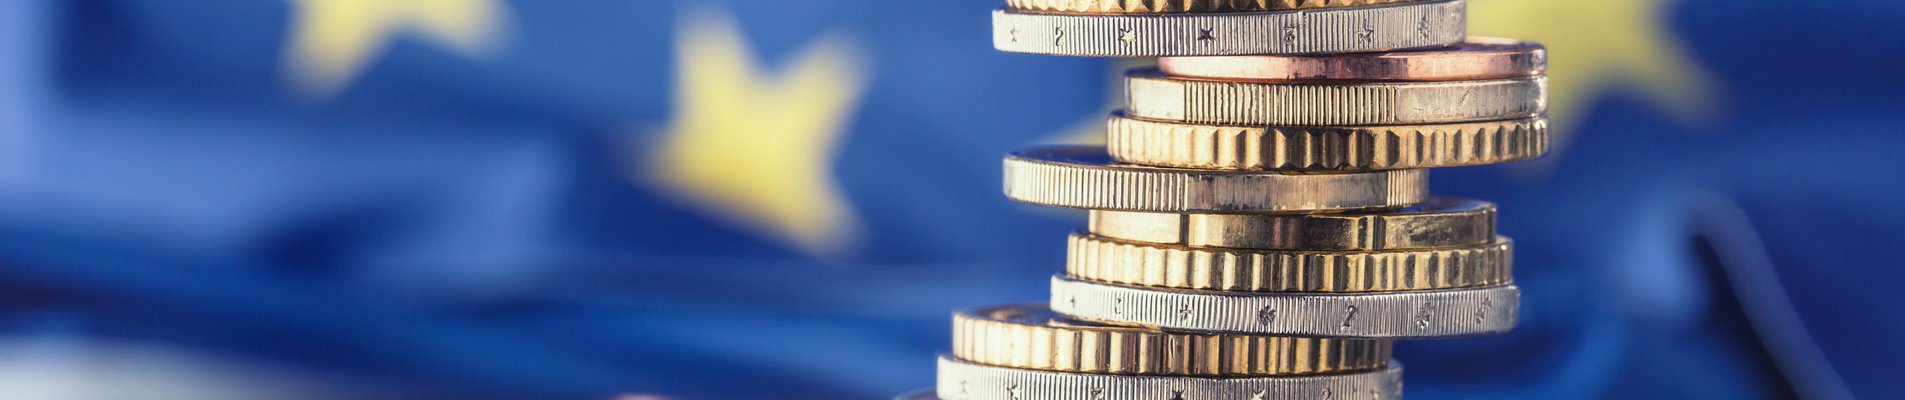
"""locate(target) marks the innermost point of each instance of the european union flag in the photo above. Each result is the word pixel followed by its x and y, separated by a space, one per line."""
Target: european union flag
pixel 240 199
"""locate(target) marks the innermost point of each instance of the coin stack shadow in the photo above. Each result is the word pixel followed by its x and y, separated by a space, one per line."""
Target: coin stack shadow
pixel 1260 223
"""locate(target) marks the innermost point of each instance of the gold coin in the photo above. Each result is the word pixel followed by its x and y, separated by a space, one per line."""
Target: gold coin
pixel 1102 259
pixel 1339 148
pixel 1085 177
pixel 1031 336
pixel 1183 6
pixel 1438 222
pixel 1155 96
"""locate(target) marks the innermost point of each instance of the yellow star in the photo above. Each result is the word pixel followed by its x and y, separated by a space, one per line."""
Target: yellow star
pixel 332 40
pixel 756 148
pixel 1596 43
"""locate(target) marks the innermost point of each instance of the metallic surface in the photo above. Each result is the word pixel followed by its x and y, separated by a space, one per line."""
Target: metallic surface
pixel 1112 261
pixel 1438 222
pixel 1395 315
pixel 1085 177
pixel 1154 96
pixel 1334 30
pixel 1260 226
pixel 1183 6
pixel 1478 58
pixel 966 381
pixel 1337 148
pixel 1031 336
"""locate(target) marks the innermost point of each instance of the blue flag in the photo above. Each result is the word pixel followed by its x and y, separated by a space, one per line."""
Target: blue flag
pixel 787 199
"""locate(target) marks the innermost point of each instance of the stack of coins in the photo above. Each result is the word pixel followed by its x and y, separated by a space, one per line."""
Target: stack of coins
pixel 1260 222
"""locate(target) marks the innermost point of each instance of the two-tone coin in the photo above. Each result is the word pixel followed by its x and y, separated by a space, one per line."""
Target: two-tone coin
pixel 1260 225
pixel 1086 177
pixel 1478 58
pixel 1094 258
pixel 1031 336
pixel 1434 223
pixel 959 380
pixel 1331 30
pixel 1393 315
pixel 1183 6
pixel 1324 148
pixel 1152 95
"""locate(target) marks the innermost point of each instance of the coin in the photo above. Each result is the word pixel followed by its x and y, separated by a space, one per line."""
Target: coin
pixel 1085 177
pixel 1435 223
pixel 1260 225
pixel 1393 315
pixel 1030 336
pixel 1333 30
pixel 1478 58
pixel 1324 148
pixel 1155 96
pixel 968 381
pixel 1203 268
pixel 1183 6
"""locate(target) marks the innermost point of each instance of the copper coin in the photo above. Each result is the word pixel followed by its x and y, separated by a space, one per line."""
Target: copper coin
pixel 1478 58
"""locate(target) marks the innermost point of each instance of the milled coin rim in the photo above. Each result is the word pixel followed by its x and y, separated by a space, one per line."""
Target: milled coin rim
pixel 1152 95
pixel 1434 223
pixel 1423 314
pixel 1086 177
pixel 1100 259
pixel 959 380
pixel 1031 336
pixel 1153 7
pixel 1324 148
pixel 1475 58
pixel 1335 30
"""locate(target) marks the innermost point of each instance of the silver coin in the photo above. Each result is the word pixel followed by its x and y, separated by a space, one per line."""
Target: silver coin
pixel 1152 95
pixel 1336 30
pixel 1086 177
pixel 960 380
pixel 1399 315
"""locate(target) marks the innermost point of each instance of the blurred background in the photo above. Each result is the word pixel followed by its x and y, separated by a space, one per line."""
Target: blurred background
pixel 753 199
